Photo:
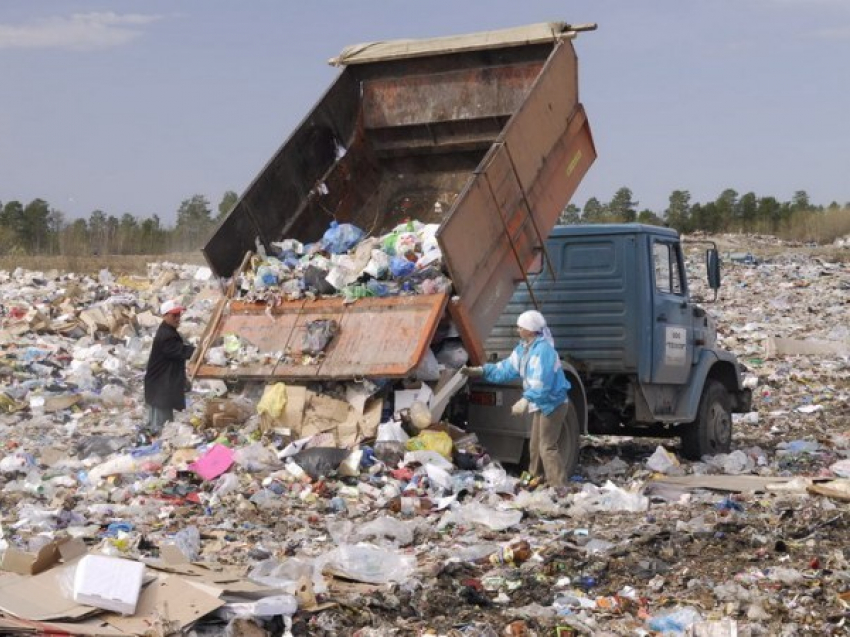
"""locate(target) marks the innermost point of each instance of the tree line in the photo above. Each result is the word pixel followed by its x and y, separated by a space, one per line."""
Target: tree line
pixel 37 228
pixel 730 212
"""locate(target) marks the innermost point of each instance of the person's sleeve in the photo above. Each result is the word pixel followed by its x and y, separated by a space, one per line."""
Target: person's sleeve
pixel 173 348
pixel 188 350
pixel 504 371
pixel 540 375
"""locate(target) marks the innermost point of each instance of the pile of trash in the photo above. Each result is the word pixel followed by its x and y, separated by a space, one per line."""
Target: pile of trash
pixel 356 508
pixel 346 262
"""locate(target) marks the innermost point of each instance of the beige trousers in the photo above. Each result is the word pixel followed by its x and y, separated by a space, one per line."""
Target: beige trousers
pixel 548 447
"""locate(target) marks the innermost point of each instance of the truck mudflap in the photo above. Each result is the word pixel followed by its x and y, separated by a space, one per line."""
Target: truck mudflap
pixel 377 338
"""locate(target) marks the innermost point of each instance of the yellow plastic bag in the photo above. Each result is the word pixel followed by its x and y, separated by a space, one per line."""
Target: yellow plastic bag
pixel 273 402
pixel 428 440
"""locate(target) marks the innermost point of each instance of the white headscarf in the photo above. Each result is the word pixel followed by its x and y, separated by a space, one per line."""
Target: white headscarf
pixel 533 321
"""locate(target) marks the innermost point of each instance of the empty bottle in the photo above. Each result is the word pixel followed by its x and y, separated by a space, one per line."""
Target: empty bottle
pixel 515 553
pixel 410 505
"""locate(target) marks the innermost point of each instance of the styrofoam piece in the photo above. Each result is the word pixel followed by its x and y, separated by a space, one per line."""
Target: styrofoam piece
pixel 108 582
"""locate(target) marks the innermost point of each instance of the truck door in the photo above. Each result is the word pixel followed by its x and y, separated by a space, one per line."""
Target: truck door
pixel 672 346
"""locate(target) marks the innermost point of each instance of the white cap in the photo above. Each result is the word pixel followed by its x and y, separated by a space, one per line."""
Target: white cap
pixel 171 307
pixel 532 320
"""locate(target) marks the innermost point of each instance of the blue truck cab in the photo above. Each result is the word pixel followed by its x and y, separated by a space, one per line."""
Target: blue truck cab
pixel 641 355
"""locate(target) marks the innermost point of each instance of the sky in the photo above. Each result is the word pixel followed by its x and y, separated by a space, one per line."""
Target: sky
pixel 135 106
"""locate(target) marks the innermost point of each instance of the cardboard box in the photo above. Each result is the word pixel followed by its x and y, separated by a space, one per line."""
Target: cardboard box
pixel 24 563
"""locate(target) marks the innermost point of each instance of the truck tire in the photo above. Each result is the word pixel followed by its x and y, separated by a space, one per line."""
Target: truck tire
pixel 711 432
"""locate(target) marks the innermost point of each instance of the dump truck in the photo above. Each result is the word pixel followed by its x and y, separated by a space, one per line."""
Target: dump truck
pixel 639 351
pixel 485 135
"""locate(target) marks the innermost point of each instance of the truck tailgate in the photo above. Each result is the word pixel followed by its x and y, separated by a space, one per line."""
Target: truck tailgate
pixel 377 338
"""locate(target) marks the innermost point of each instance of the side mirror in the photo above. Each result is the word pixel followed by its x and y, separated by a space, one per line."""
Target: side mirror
pixel 712 268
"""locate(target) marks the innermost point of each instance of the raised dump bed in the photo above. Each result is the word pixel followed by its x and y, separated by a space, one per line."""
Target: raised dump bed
pixel 483 134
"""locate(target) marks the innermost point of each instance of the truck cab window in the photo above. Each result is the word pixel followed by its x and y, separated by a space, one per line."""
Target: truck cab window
pixel 668 274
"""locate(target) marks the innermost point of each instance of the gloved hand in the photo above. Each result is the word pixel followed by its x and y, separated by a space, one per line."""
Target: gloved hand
pixel 519 407
pixel 472 372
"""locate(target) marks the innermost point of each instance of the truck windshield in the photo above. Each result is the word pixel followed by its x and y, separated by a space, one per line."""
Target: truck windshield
pixel 668 274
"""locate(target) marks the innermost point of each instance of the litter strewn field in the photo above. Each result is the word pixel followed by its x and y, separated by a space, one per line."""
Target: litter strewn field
pixel 362 523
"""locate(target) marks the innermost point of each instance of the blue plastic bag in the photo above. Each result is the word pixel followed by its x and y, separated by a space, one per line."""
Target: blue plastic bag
pixel 401 267
pixel 341 237
pixel 377 288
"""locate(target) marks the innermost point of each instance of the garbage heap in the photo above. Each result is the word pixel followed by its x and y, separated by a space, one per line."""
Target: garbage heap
pixel 230 523
pixel 346 262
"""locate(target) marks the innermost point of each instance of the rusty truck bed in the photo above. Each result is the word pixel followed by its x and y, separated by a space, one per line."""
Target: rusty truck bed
pixel 490 127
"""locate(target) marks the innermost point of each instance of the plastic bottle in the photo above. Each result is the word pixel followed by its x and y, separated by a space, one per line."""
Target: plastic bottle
pixel 410 506
pixel 515 553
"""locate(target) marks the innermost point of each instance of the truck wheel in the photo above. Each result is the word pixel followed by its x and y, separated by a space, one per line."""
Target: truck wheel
pixel 711 432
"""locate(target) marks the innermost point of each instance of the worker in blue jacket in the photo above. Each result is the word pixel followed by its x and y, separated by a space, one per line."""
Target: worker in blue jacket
pixel 544 395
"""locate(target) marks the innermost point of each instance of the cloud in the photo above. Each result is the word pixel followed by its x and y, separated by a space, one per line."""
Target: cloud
pixel 79 31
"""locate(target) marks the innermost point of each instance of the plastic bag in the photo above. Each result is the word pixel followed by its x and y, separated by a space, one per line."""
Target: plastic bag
pixel 388 242
pixel 452 354
pixel 608 497
pixel 341 237
pixel 341 276
pixel 282 575
pixel 428 368
pixel 369 564
pixel 401 267
pixel 420 415
pixel 188 542
pixel 377 288
pixel 226 483
pixel 406 243
pixel 674 621
pixel 392 431
pixel 378 264
pixel 390 452
pixel 393 529
pixel 216 356
pixel 317 335
pixel 438 441
pixel 256 457
pixel 314 279
pixel 273 401
pixel 265 277
pixel 320 461
pixel 662 461
pixel 476 513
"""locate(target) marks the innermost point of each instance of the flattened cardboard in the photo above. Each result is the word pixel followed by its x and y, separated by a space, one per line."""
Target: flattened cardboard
pixel 369 421
pixel 40 598
pixel 293 414
pixel 87 628
pixel 738 484
pixel 168 602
